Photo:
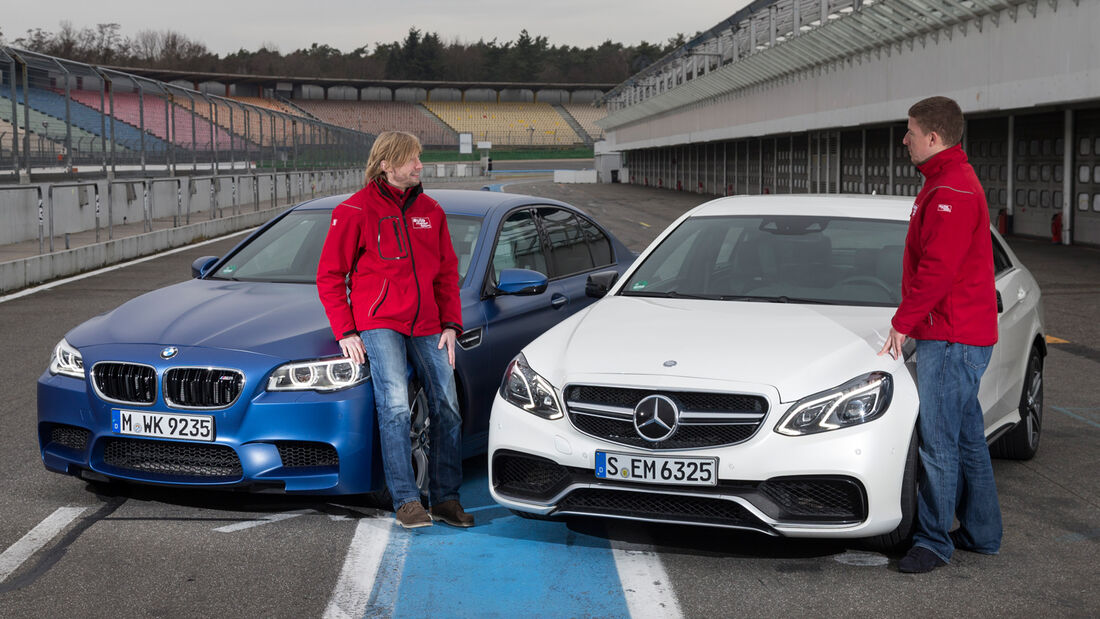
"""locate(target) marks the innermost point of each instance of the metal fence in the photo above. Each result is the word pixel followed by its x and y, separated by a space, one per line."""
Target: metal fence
pixel 60 116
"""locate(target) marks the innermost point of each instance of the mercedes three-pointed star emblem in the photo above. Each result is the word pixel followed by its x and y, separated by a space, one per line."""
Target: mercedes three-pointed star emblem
pixel 656 418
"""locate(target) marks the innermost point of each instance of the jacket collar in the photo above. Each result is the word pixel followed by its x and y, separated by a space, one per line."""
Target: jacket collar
pixel 401 198
pixel 936 163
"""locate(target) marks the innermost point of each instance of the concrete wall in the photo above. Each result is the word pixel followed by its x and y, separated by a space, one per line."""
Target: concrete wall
pixel 37 269
pixel 74 208
pixel 1050 59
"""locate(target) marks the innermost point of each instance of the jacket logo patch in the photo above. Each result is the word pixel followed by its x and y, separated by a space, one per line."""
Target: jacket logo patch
pixel 334 221
pixel 944 208
pixel 421 223
pixel 914 211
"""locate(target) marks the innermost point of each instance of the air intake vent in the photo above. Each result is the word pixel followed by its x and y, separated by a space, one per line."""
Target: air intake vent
pixel 166 459
pixel 202 387
pixel 125 382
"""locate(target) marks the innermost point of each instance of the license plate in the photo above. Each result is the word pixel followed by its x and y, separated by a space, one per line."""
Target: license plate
pixel 657 469
pixel 163 425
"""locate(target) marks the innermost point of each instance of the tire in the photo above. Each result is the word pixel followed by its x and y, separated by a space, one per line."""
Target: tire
pixel 1022 441
pixel 419 434
pixel 900 537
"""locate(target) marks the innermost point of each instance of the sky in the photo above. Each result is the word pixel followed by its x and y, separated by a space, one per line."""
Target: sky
pixel 227 26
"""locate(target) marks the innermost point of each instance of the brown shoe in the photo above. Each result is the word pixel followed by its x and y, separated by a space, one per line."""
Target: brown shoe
pixel 411 515
pixel 452 513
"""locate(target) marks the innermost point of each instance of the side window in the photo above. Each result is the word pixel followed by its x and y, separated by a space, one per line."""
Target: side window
pixel 518 245
pixel 1001 263
pixel 568 247
pixel 598 243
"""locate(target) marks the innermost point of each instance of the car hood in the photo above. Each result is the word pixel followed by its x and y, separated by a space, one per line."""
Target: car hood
pixel 280 320
pixel 795 349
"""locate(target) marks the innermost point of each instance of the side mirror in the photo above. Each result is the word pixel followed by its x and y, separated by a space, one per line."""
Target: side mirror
pixel 202 266
pixel 521 282
pixel 597 284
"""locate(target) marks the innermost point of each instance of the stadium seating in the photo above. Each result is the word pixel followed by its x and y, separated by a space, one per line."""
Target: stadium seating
pixel 47 111
pixel 378 116
pixel 282 137
pixel 518 124
pixel 127 109
pixel 587 115
pixel 40 145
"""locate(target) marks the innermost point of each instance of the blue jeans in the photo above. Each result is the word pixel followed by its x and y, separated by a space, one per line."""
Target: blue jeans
pixel 957 477
pixel 388 352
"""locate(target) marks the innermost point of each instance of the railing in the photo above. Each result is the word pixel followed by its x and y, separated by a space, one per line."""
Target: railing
pixel 65 114
pixel 285 188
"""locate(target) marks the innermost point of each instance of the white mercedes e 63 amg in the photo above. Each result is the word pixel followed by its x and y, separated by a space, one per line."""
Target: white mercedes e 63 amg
pixel 730 378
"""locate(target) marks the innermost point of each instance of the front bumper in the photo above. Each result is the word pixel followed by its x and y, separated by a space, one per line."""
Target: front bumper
pixel 294 442
pixel 844 483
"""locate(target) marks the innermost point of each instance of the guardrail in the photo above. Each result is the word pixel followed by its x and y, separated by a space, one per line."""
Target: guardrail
pixel 283 189
pixel 37 189
pixel 94 186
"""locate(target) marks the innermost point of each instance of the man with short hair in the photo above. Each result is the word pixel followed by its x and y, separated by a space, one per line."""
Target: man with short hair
pixel 388 278
pixel 949 307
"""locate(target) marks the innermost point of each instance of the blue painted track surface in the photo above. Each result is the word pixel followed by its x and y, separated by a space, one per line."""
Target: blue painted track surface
pixel 505 566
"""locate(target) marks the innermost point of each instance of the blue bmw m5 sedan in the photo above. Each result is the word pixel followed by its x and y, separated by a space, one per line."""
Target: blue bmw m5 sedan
pixel 232 379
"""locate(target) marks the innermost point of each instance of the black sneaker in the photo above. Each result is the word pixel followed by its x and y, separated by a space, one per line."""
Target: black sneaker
pixel 919 560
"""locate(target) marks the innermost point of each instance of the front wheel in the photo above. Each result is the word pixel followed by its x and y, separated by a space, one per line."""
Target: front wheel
pixel 418 433
pixel 1022 441
pixel 900 537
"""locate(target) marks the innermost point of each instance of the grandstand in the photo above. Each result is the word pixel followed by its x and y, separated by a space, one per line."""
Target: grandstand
pixel 161 117
pixel 47 111
pixel 40 145
pixel 129 116
pixel 586 116
pixel 512 124
pixel 378 116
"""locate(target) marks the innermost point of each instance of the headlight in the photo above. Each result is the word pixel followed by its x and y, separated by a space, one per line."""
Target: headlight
pixel 320 375
pixel 66 360
pixel 857 401
pixel 524 388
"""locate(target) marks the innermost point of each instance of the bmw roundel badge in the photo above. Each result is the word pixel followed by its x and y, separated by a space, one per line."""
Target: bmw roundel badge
pixel 169 352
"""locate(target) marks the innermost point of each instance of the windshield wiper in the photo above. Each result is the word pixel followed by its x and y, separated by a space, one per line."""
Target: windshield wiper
pixel 671 294
pixel 786 299
pixel 779 299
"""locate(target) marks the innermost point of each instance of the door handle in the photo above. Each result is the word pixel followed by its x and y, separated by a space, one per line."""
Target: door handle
pixel 558 301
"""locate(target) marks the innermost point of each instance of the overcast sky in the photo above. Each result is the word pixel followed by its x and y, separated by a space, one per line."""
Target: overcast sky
pixel 226 26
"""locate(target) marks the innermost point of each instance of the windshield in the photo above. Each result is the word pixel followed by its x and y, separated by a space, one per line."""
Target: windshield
pixel 290 249
pixel 796 259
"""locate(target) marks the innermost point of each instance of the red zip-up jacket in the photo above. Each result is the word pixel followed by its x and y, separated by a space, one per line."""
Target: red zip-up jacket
pixel 947 284
pixel 388 263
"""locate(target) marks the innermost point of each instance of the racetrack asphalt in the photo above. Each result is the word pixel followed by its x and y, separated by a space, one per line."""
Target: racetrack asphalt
pixel 154 552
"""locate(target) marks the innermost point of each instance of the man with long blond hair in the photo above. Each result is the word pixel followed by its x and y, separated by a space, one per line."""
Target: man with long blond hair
pixel 388 278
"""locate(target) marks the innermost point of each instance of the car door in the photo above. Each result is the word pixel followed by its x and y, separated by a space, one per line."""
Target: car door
pixel 510 321
pixel 576 247
pixel 1001 384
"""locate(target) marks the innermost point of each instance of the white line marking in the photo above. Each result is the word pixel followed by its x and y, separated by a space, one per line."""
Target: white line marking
pixel 248 524
pixel 353 588
pixel 54 284
pixel 645 583
pixel 36 538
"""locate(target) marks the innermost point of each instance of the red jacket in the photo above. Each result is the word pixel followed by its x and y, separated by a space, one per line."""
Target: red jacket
pixel 403 270
pixel 947 271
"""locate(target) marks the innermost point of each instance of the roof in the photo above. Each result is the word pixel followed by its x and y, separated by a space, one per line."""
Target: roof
pixel 455 201
pixel 833 205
